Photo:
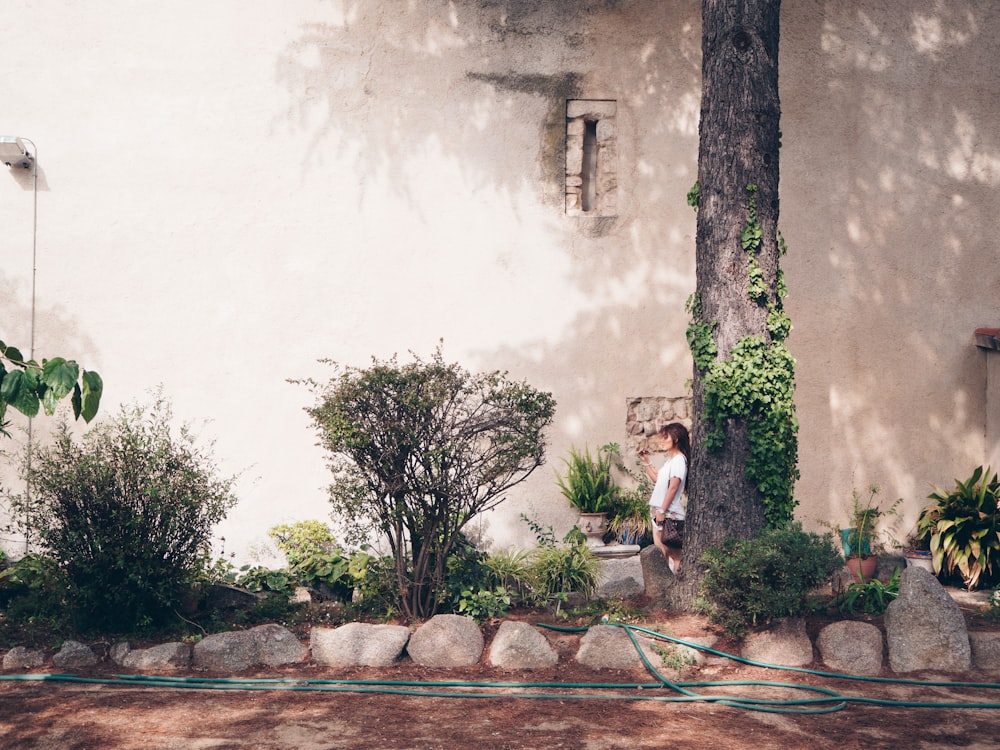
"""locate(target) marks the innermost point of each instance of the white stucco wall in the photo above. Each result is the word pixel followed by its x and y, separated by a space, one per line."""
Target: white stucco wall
pixel 230 191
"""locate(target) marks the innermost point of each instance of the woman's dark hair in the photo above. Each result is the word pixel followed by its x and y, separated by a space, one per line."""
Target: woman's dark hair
pixel 682 439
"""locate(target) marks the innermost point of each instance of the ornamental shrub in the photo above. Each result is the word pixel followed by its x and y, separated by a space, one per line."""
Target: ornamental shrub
pixel 126 513
pixel 749 583
pixel 418 450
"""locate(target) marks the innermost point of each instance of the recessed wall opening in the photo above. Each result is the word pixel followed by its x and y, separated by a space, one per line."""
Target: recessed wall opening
pixel 589 174
pixel 591 157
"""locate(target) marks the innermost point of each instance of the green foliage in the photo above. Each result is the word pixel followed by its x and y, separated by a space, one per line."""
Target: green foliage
pixel 27 385
pixel 964 527
pixel 558 570
pixel 315 559
pixel 484 604
pixel 694 195
pixel 862 523
pixel 750 583
pixel 870 597
pixel 418 450
pixel 258 578
pixel 756 384
pixel 34 588
pixel 629 517
pixel 699 335
pixel 588 484
pixel 125 513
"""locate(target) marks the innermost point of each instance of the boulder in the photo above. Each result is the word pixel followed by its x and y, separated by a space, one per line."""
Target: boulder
pixel 278 645
pixel 20 657
pixel 74 654
pixel 271 645
pixel 358 644
pixel 609 647
pixel 852 647
pixel 518 645
pixel 166 656
pixel 985 648
pixel 447 641
pixel 784 643
pixel 924 628
pixel 656 574
pixel 620 578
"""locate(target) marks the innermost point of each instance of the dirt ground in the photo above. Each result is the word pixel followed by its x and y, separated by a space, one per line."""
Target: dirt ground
pixel 52 715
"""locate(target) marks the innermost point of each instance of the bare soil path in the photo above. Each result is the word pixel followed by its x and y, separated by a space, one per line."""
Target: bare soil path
pixel 85 716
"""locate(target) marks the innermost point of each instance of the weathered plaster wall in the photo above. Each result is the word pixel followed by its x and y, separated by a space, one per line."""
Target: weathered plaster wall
pixel 230 191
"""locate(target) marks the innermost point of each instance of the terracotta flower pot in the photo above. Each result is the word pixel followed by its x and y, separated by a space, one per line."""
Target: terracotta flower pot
pixel 863 568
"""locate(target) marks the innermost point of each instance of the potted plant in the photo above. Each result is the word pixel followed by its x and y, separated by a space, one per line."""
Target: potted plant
pixel 963 527
pixel 630 520
pixel 859 538
pixel 590 488
pixel 917 550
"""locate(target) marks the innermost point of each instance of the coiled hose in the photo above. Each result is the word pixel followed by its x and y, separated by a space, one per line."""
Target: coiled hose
pixel 829 700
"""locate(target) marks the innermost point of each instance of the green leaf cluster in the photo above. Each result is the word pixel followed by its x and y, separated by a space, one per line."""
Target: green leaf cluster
pixel 756 384
pixel 964 527
pixel 587 483
pixel 752 582
pixel 419 449
pixel 126 512
pixel 27 385
pixel 868 597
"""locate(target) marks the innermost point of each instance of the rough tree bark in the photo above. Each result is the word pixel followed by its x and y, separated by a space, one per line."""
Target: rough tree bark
pixel 739 142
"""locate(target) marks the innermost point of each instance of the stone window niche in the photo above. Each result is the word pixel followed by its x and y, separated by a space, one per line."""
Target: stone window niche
pixel 591 157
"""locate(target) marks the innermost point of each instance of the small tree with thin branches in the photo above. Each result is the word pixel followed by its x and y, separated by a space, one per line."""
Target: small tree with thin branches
pixel 418 450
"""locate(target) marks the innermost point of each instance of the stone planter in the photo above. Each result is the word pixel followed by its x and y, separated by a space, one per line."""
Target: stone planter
pixel 594 526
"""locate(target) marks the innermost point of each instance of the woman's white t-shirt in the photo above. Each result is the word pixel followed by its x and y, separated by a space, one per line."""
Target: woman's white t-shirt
pixel 675 467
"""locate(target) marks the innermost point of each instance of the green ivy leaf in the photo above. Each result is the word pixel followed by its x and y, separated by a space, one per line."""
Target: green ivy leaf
pixel 18 390
pixel 92 389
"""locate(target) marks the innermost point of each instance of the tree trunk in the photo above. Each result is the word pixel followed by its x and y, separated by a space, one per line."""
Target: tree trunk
pixel 738 147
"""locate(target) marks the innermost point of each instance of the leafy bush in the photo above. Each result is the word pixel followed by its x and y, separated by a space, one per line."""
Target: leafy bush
pixel 316 560
pixel 964 527
pixel 870 597
pixel 126 514
pixel 752 582
pixel 417 451
pixel 559 570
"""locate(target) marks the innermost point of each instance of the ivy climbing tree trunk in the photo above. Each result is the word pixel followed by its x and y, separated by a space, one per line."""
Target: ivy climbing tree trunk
pixel 737 324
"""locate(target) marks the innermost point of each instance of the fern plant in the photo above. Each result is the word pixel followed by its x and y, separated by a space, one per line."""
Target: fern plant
pixel 588 483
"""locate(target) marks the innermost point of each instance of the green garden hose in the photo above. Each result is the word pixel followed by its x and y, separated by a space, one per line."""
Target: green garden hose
pixel 828 701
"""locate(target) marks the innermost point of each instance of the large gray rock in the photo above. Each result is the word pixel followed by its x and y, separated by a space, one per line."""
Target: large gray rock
pixel 233 651
pixel 278 645
pixel 852 647
pixel 271 645
pixel 74 654
pixel 447 641
pixel 985 650
pixel 924 628
pixel 656 575
pixel 609 647
pixel 785 643
pixel 20 657
pixel 358 644
pixel 620 578
pixel 166 656
pixel 517 645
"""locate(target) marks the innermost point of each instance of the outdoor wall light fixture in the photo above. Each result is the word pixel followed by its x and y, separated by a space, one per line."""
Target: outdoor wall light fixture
pixel 14 153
